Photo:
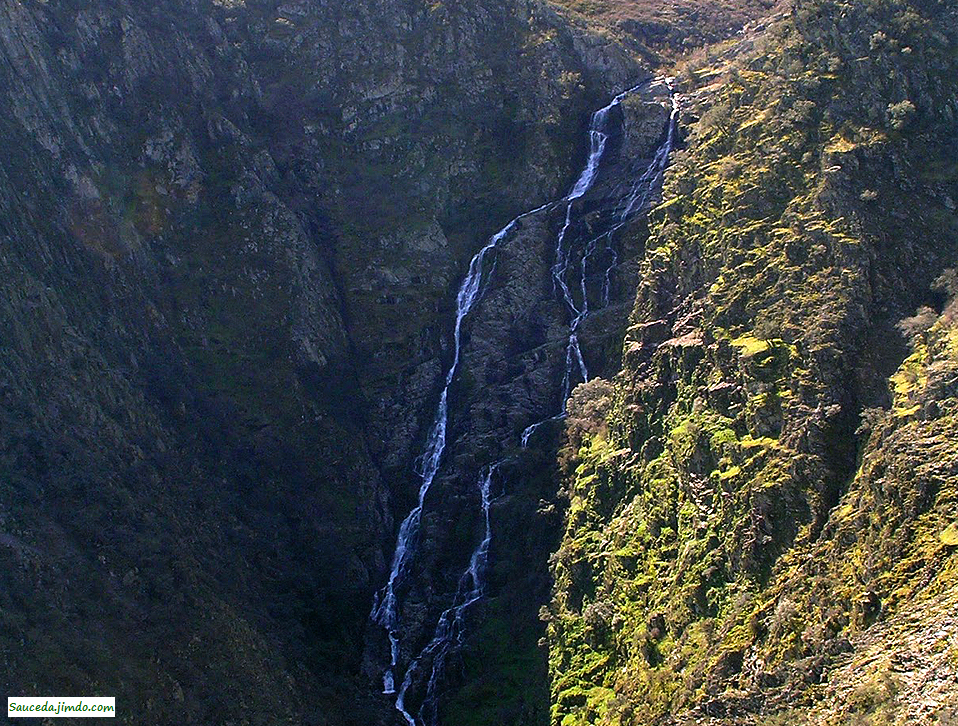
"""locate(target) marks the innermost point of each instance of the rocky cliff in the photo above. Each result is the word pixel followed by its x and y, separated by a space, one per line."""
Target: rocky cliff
pixel 760 507
pixel 229 236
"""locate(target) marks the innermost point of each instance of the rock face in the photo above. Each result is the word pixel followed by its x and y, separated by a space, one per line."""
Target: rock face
pixel 513 362
pixel 229 232
pixel 759 503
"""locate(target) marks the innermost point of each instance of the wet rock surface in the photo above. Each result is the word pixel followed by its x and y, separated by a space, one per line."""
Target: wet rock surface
pixel 513 362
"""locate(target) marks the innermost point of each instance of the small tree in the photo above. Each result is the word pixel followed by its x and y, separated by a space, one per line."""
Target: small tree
pixel 916 328
pixel 767 330
pixel 588 411
pixel 947 283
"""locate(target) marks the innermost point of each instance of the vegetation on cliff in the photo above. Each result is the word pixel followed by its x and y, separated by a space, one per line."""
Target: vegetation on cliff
pixel 229 234
pixel 764 497
pixel 660 30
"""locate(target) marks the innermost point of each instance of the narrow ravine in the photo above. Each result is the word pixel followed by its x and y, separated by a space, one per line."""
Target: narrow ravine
pixel 572 252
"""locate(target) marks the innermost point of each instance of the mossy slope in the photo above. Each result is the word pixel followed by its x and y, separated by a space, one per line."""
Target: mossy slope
pixel 776 474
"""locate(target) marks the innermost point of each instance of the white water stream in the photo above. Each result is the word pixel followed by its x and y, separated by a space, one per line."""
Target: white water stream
pixel 448 633
pixel 636 201
pixel 386 605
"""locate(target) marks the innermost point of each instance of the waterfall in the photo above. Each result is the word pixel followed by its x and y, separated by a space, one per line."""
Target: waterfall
pixel 637 200
pixel 449 630
pixel 448 633
pixel 386 605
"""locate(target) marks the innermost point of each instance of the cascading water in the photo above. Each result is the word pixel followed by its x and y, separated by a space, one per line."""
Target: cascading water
pixel 448 633
pixel 386 606
pixel 641 195
pixel 449 630
pixel 636 201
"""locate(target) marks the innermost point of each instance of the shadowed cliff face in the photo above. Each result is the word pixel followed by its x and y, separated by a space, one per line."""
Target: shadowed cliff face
pixel 231 237
pixel 513 356
pixel 229 233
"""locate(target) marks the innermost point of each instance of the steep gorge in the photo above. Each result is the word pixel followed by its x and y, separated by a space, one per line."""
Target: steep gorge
pixel 232 233
pixel 229 238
